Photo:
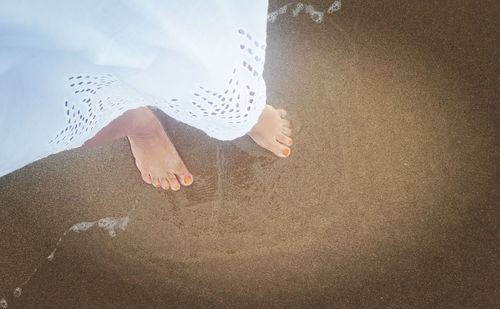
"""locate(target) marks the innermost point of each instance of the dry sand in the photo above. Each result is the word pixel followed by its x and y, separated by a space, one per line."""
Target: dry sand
pixel 389 199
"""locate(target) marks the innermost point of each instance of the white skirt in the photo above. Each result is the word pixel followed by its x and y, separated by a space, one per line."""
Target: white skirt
pixel 68 68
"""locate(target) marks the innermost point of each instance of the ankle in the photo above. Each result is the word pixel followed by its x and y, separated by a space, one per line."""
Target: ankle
pixel 143 123
pixel 135 122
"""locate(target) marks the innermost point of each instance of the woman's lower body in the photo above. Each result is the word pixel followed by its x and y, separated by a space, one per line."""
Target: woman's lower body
pixel 78 73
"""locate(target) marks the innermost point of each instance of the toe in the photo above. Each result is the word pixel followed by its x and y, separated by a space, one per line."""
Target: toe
pixel 280 150
pixel 285 140
pixel 286 131
pixel 286 123
pixel 282 113
pixel 156 182
pixel 185 177
pixel 285 152
pixel 172 181
pixel 164 183
pixel 186 180
pixel 147 178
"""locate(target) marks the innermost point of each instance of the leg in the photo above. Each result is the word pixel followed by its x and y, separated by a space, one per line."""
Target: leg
pixel 155 155
pixel 131 122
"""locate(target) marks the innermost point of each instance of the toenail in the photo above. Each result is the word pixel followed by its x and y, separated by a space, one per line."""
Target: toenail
pixel 286 152
pixel 188 180
pixel 291 141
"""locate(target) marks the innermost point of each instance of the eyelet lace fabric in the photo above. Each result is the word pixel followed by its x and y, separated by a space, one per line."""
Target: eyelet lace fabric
pixel 65 75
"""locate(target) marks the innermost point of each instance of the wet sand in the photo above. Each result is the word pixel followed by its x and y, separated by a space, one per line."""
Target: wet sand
pixel 389 199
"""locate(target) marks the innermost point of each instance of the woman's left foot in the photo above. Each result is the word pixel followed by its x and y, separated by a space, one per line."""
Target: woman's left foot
pixel 273 132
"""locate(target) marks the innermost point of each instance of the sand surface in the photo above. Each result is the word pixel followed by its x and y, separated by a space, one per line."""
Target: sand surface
pixel 389 199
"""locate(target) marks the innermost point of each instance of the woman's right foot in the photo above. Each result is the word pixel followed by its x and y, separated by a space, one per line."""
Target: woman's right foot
pixel 155 154
pixel 272 131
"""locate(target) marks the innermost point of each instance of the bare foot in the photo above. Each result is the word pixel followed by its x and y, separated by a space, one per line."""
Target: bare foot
pixel 155 155
pixel 273 132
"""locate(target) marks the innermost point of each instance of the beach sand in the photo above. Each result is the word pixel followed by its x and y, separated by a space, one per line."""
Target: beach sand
pixel 388 200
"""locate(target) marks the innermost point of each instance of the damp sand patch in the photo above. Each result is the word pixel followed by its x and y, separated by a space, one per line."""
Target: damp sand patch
pixel 110 225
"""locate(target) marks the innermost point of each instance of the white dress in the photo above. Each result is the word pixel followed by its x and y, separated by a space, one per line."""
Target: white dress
pixel 68 68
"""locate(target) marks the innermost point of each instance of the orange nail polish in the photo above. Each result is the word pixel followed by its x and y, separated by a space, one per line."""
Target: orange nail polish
pixel 188 180
pixel 286 152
